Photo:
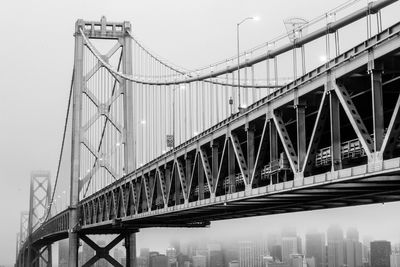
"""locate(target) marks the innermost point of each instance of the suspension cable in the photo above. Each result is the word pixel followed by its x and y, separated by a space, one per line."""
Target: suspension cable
pixel 62 146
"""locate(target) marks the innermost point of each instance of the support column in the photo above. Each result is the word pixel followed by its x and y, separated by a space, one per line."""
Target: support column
pixel 200 176
pixel 130 246
pixel 377 108
pixel 188 174
pixel 130 133
pixel 301 134
pixel 214 167
pixel 273 140
pixel 336 155
pixel 49 256
pixel 250 151
pixel 177 185
pixel 75 155
pixel 231 167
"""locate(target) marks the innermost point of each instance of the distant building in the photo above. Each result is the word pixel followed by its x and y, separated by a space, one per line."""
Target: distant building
pixel 310 262
pixel 353 249
pixel 297 260
pixel 252 253
pixel 315 248
pixel 233 264
pixel 158 260
pixel 380 254
pixel 335 246
pixel 278 264
pixel 366 251
pixel 289 247
pixel 199 261
pixel 230 250
pixel 215 255
pixel 172 256
pixel 276 252
pixel 395 260
pixel 144 258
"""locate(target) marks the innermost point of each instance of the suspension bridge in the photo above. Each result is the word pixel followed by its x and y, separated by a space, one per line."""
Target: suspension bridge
pixel 150 144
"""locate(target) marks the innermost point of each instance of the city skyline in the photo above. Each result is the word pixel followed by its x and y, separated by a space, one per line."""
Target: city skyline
pixel 354 250
pixel 357 217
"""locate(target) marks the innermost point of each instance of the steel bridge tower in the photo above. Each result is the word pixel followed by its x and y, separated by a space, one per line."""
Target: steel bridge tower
pixel 104 99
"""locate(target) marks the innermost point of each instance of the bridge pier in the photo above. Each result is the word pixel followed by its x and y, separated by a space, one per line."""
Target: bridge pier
pixel 130 246
pixel 129 239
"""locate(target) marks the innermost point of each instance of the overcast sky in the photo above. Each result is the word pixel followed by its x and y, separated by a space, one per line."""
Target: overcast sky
pixel 36 57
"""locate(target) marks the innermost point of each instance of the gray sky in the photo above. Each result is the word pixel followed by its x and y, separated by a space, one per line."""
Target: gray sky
pixel 36 55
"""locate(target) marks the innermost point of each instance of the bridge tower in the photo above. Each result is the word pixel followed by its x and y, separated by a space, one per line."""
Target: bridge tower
pixel 39 203
pixel 102 126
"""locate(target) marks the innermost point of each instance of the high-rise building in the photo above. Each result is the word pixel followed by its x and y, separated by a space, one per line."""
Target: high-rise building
pixel 366 251
pixel 233 263
pixel 215 255
pixel 289 247
pixel 252 253
pixel 143 259
pixel 315 248
pixel 335 246
pixel 230 249
pixel 276 253
pixel 395 260
pixel 297 260
pixel 199 261
pixel 353 249
pixel 158 260
pixel 310 262
pixel 176 245
pixel 172 256
pixel 380 253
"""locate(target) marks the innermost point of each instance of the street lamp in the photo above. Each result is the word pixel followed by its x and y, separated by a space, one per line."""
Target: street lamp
pixel 238 56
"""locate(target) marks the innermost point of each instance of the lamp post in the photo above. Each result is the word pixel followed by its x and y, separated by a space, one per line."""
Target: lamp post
pixel 238 56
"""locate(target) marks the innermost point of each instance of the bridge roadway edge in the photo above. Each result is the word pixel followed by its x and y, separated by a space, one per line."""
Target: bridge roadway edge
pixel 360 185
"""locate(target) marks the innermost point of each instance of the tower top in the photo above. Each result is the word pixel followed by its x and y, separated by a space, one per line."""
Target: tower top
pixel 102 29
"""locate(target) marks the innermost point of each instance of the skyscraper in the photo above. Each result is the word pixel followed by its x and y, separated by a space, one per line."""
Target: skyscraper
pixel 215 255
pixel 380 253
pixel 158 260
pixel 199 261
pixel 395 260
pixel 335 246
pixel 353 255
pixel 274 247
pixel 289 247
pixel 251 253
pixel 171 255
pixel 315 247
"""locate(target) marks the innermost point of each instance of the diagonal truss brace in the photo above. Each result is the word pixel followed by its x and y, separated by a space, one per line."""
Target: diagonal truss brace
pixel 354 118
pixel 286 142
pixel 240 158
pixel 316 134
pixel 393 131
pixel 207 168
